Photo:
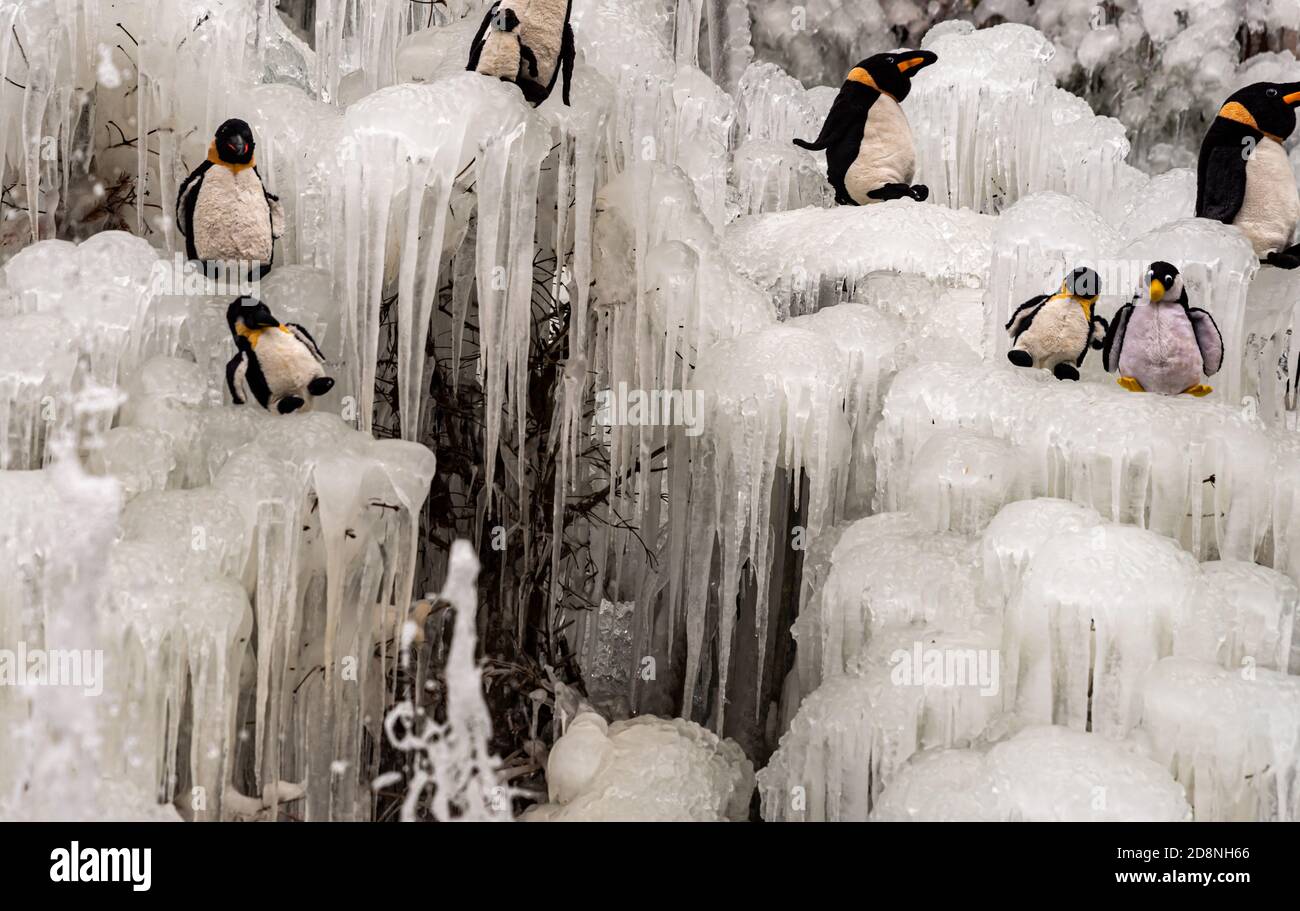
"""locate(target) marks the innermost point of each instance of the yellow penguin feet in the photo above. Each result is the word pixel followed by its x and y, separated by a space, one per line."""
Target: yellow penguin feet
pixel 1130 384
pixel 1198 390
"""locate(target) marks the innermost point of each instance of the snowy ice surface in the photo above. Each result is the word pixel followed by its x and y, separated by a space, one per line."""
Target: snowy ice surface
pixel 645 769
pixel 1231 736
pixel 1042 774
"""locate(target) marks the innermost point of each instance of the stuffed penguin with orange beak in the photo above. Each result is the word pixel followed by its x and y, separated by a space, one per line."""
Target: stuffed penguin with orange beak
pixel 1243 176
pixel 223 209
pixel 869 152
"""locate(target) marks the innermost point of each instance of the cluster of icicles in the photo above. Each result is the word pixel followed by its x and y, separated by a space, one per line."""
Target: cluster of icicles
pixel 819 365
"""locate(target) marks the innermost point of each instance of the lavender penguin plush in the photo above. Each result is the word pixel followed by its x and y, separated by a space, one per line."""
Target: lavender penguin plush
pixel 1160 344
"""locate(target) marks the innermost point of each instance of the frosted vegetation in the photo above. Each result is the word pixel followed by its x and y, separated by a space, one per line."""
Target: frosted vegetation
pixel 653 484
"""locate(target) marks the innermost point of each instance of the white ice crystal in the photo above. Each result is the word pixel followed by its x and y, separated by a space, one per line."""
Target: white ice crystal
pixel 645 769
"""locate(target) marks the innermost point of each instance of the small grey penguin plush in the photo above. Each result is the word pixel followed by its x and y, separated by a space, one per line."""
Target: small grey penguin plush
pixel 1160 344
pixel 279 364
pixel 1055 331
pixel 224 211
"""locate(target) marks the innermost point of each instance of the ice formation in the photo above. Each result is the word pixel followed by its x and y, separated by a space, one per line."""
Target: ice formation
pixel 838 477
pixel 1042 774
pixel 644 769
pixel 1230 736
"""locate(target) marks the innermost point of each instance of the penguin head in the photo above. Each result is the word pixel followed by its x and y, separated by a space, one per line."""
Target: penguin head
pixel 1265 106
pixel 506 20
pixel 1164 283
pixel 892 73
pixel 234 142
pixel 249 313
pixel 1083 283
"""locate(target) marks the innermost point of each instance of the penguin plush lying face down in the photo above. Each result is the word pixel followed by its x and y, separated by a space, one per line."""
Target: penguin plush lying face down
pixel 1243 177
pixel 502 54
pixel 1160 344
pixel 223 210
pixel 868 143
pixel 279 363
pixel 1054 331
pixel 546 50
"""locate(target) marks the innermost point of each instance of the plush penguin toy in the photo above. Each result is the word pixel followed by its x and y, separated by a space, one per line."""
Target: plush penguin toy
pixel 1243 177
pixel 1054 331
pixel 868 143
pixel 1160 344
pixel 224 211
pixel 546 50
pixel 503 55
pixel 280 364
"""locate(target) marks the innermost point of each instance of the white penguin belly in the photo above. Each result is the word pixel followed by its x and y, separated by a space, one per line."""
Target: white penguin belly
pixel 886 154
pixel 500 56
pixel 232 218
pixel 1271 207
pixel 1057 335
pixel 542 31
pixel 286 363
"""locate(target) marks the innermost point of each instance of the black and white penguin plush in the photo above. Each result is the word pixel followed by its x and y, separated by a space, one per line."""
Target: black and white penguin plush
pixel 223 209
pixel 1055 331
pixel 868 143
pixel 546 50
pixel 1243 176
pixel 503 54
pixel 279 364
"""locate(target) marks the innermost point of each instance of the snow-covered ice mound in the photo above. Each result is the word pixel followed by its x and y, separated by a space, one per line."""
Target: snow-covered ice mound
pixel 645 769
pixel 1018 531
pixel 1246 618
pixel 803 257
pixel 917 687
pixel 1232 737
pixel 1096 609
pixel 1202 472
pixel 1042 774
pixel 886 570
pixel 959 481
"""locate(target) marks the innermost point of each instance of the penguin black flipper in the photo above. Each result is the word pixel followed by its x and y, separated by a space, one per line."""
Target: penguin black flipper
pixel 1097 329
pixel 186 199
pixel 243 369
pixel 568 54
pixel 1208 339
pixel 847 112
pixel 526 56
pixel 302 335
pixel 1115 339
pixel 1025 314
pixel 476 46
pixel 236 368
pixel 1220 179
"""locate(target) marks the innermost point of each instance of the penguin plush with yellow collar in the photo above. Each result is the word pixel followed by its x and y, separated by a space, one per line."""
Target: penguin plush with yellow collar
pixel 1055 331
pixel 224 211
pixel 1243 177
pixel 868 143
pixel 279 364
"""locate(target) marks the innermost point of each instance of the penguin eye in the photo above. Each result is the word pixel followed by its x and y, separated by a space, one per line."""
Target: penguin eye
pixel 891 60
pixel 1169 279
pixel 1271 93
